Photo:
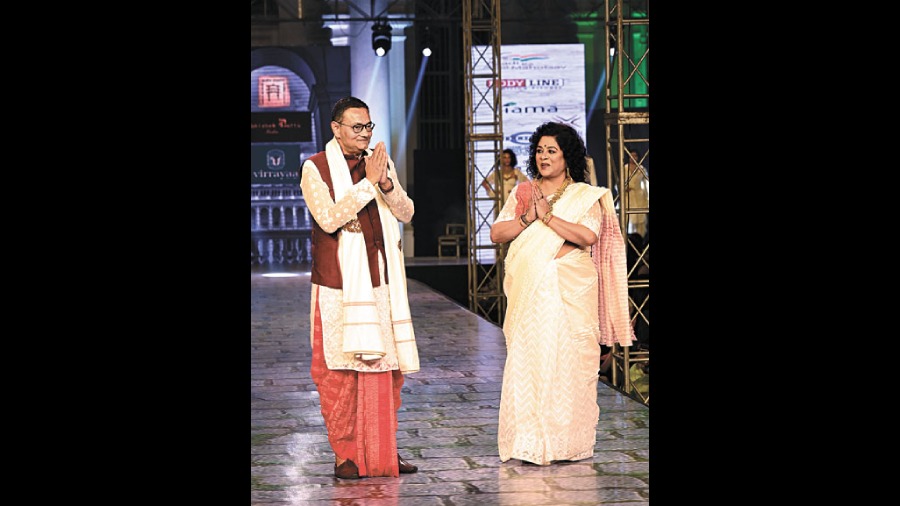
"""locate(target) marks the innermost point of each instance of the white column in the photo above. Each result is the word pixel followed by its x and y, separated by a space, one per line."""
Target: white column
pixel 398 111
pixel 397 92
pixel 369 77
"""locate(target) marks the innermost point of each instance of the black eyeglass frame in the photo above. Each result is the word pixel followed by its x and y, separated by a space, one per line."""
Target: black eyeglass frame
pixel 357 128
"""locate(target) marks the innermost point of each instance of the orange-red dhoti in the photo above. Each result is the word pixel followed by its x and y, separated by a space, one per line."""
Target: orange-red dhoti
pixel 360 411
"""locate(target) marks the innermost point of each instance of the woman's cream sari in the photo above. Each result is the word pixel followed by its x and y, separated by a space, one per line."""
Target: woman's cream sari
pixel 548 403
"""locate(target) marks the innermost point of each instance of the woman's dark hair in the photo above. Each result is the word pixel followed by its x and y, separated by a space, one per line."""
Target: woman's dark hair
pixel 569 141
pixel 337 112
pixel 513 161
pixel 637 155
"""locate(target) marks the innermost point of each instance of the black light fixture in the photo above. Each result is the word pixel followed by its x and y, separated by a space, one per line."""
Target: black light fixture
pixel 381 38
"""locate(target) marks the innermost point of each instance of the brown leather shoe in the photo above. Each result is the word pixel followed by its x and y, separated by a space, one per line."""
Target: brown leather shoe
pixel 347 470
pixel 406 467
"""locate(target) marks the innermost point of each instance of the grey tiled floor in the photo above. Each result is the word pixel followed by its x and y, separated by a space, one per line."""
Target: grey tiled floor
pixel 448 419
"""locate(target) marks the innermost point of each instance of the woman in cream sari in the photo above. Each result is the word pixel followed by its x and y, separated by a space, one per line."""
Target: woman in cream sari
pixel 567 294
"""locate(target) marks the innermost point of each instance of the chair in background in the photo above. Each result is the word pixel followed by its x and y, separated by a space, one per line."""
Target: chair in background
pixel 454 236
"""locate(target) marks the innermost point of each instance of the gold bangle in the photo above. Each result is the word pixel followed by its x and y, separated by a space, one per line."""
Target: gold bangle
pixel 547 217
pixel 523 222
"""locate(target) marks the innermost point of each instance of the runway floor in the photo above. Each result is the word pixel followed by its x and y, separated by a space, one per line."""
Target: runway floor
pixel 448 419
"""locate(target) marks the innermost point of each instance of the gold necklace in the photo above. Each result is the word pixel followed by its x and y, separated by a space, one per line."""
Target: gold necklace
pixel 558 193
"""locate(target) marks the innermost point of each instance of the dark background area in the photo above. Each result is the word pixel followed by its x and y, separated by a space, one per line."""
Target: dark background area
pixel 439 195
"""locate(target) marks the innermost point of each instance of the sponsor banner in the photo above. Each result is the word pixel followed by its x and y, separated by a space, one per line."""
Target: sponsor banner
pixel 287 126
pixel 540 83
pixel 275 164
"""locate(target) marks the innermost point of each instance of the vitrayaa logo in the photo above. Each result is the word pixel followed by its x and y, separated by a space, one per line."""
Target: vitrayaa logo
pixel 275 159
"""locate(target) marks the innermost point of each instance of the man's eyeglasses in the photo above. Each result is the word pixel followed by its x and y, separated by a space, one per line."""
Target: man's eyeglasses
pixel 357 128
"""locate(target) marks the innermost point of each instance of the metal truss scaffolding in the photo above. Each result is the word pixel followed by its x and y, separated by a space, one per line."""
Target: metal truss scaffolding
pixel 484 140
pixel 626 122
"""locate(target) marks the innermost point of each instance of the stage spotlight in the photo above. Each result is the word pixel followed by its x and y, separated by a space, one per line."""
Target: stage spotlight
pixel 381 38
pixel 426 43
